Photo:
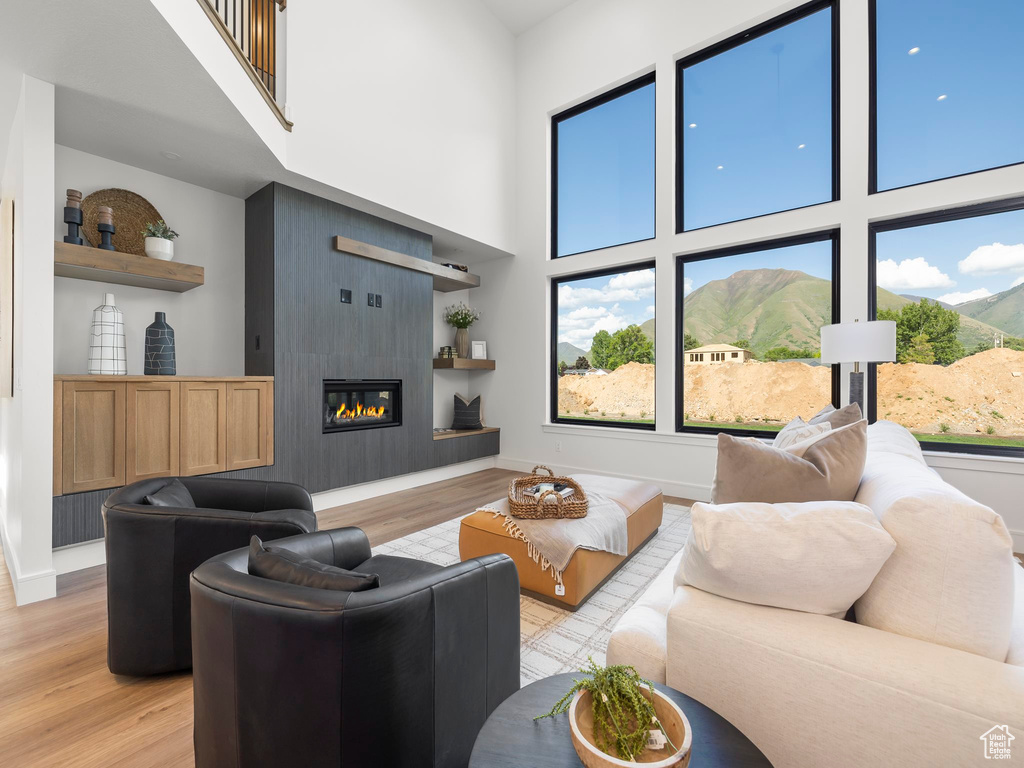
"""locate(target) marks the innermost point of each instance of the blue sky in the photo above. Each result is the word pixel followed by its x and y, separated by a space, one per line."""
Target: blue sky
pixel 604 303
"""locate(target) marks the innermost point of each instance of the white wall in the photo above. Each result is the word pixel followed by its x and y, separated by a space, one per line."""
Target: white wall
pixel 26 420
pixel 590 47
pixel 448 383
pixel 208 321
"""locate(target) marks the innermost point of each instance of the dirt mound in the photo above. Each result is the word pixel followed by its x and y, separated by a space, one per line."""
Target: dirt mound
pixel 755 391
pixel 628 389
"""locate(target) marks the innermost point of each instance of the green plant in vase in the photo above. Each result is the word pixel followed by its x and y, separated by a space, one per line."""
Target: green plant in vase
pixel 460 316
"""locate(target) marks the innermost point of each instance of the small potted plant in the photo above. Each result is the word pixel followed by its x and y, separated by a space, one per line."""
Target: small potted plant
pixel 159 241
pixel 460 317
pixel 617 719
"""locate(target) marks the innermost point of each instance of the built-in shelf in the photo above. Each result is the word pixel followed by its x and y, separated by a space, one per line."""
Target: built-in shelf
pixel 83 262
pixel 462 364
pixel 445 278
pixel 464 433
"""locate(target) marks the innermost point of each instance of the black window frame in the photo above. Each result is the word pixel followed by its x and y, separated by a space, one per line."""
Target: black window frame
pixel 873 117
pixel 597 101
pixel 682 260
pixel 553 347
pixel 734 42
pixel 909 222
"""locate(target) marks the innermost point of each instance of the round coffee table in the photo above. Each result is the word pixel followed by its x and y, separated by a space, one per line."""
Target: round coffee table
pixel 511 738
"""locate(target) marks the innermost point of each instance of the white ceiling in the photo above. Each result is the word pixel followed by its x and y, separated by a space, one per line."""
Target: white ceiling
pixel 519 15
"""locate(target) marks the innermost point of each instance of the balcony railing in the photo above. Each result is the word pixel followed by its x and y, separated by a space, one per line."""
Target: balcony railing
pixel 250 28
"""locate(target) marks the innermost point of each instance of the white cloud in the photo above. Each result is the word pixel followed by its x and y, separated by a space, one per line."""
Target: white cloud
pixel 687 286
pixel 628 286
pixel 580 330
pixel 911 274
pixel 1018 281
pixel 650 310
pixel 959 297
pixel 993 259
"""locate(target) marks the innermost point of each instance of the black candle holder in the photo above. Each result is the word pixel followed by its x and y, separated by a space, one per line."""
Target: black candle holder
pixel 106 228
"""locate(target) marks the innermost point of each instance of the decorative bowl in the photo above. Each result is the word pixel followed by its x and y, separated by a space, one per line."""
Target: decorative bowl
pixel 159 248
pixel 581 722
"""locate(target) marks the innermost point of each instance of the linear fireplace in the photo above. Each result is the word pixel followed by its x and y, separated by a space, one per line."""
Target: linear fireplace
pixel 351 404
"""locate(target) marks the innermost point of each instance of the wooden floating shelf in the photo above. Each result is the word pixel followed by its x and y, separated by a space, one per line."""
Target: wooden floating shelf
pixel 464 433
pixel 445 278
pixel 462 364
pixel 83 262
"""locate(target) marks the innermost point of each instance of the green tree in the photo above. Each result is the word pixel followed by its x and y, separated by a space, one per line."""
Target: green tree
pixel 690 342
pixel 775 354
pixel 601 349
pixel 940 325
pixel 741 343
pixel 562 367
pixel 630 345
pixel 920 351
pixel 582 363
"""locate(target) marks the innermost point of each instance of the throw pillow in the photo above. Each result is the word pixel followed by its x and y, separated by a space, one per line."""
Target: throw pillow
pixel 799 431
pixel 829 468
pixel 174 494
pixel 467 413
pixel 817 557
pixel 279 564
pixel 838 418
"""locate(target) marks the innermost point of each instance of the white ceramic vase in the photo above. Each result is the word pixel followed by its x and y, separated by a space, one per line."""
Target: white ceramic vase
pixel 106 340
pixel 159 248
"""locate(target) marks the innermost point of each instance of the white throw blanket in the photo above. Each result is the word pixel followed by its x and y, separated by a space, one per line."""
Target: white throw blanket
pixel 551 543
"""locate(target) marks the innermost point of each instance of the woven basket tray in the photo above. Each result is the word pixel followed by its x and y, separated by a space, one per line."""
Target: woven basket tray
pixel 521 505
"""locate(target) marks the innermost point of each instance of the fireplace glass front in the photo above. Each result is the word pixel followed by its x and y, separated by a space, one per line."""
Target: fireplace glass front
pixel 351 404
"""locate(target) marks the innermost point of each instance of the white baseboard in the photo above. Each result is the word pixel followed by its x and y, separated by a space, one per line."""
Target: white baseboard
pixel 28 587
pixel 76 557
pixel 668 487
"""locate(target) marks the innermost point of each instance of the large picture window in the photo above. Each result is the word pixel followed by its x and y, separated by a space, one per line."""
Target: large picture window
pixel 602 185
pixel 954 284
pixel 749 331
pixel 602 348
pixel 946 83
pixel 756 122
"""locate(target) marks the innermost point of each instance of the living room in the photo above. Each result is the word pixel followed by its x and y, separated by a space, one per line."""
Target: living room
pixel 481 346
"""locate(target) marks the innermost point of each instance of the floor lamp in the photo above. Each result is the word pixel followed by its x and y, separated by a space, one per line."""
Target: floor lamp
pixel 856 342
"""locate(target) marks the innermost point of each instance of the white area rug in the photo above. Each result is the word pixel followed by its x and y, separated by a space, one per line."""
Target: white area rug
pixel 555 640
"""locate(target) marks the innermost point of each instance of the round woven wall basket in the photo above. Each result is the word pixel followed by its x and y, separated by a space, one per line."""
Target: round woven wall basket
pixel 132 213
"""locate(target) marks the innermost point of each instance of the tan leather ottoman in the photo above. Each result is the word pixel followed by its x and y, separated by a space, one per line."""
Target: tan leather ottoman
pixel 482 534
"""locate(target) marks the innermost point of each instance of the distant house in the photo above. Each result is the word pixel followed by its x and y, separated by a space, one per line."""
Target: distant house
pixel 718 353
pixel 586 372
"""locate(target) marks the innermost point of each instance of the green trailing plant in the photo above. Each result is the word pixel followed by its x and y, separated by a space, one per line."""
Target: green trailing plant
pixel 460 315
pixel 990 430
pixel 622 714
pixel 160 229
pixel 943 428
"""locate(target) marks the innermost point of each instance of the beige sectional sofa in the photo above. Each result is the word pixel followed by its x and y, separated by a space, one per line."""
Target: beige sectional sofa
pixel 936 660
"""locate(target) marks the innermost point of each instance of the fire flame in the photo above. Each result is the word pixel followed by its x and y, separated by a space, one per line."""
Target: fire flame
pixel 344 412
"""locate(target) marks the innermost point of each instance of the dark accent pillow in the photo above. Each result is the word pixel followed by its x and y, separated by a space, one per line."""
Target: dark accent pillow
pixel 174 494
pixel 467 413
pixel 279 564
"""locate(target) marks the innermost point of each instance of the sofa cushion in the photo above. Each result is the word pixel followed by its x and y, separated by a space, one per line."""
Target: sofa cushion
pixel 174 494
pixel 950 580
pixel 840 417
pixel 278 564
pixel 890 437
pixel 1015 655
pixel 829 469
pixel 798 431
pixel 817 557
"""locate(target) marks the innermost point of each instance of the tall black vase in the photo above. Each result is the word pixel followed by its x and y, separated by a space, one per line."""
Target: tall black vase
pixel 160 348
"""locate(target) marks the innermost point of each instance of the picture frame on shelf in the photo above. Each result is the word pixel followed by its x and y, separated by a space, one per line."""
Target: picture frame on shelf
pixel 478 350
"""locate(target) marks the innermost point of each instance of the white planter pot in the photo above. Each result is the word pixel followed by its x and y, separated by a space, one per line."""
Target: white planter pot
pixel 159 248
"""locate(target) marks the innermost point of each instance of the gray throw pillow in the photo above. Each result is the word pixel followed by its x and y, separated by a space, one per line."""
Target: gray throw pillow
pixel 279 564
pixel 174 494
pixel 753 471
pixel 467 413
pixel 838 418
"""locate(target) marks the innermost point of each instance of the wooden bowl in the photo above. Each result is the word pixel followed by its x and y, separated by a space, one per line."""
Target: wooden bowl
pixel 581 721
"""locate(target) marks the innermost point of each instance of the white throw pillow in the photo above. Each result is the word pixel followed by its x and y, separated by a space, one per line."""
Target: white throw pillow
pixel 814 556
pixel 799 431
pixel 950 581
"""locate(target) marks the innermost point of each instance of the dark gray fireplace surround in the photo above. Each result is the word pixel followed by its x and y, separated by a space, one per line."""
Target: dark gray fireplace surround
pixel 297 330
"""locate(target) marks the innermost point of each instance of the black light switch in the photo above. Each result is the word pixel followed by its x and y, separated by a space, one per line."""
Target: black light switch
pixel 378 300
pixel 369 299
pixel 346 296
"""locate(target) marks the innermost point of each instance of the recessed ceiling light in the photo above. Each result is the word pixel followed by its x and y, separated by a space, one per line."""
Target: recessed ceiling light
pixel 721 167
pixel 913 50
pixel 943 97
pixel 171 155
pixel 693 125
pixel 801 146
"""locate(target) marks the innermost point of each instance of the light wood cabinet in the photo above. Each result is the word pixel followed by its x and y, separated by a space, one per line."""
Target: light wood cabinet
pixel 93 416
pixel 203 428
pixel 152 446
pixel 113 430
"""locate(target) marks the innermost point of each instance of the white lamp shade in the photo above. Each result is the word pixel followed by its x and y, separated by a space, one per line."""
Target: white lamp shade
pixel 873 342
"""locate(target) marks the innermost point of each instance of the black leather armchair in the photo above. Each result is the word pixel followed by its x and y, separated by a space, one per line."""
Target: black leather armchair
pixel 151 550
pixel 401 675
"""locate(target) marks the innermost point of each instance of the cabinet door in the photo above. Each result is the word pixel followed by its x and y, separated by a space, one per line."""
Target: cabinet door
pixel 247 424
pixel 93 435
pixel 151 431
pixel 203 436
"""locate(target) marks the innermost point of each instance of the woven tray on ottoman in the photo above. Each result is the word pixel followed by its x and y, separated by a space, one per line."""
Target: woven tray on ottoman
pixel 549 504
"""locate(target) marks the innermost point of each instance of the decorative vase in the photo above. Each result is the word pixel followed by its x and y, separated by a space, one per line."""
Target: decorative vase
pixel 106 344
pixel 160 346
pixel 159 248
pixel 462 342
